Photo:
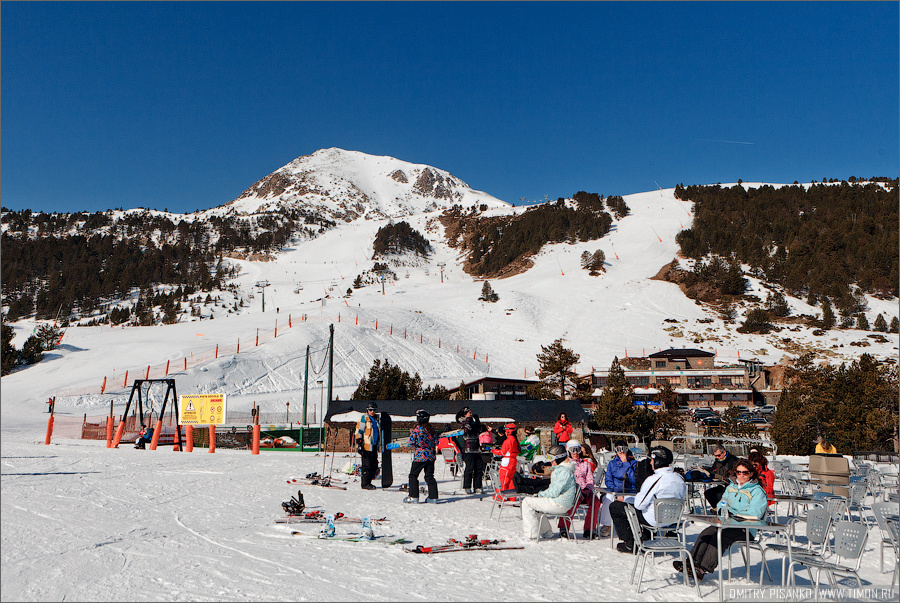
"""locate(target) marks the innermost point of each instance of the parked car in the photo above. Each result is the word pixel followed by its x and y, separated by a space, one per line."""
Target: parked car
pixel 710 421
pixel 701 413
pixel 768 409
pixel 758 420
pixel 684 409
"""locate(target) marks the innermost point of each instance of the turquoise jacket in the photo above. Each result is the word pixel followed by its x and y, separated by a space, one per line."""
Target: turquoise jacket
pixel 745 502
pixel 563 486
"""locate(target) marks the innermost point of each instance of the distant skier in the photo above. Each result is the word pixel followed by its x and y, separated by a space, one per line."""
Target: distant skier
pixel 423 440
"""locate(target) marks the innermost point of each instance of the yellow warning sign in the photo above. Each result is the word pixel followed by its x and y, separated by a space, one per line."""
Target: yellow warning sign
pixel 202 409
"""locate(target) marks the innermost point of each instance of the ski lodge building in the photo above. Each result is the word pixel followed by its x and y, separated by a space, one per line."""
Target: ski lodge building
pixel 695 378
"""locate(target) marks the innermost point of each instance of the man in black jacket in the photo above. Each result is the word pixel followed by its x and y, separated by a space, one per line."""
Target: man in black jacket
pixel 719 470
pixel 471 450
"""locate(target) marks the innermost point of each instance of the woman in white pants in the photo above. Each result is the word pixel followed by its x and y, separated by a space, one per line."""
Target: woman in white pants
pixel 558 498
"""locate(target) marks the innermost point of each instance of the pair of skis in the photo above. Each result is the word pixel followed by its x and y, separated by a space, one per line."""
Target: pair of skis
pixel 314 479
pixel 471 543
pixel 320 517
pixel 357 538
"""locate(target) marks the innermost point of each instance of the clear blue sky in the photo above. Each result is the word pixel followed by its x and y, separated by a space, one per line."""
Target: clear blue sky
pixel 184 105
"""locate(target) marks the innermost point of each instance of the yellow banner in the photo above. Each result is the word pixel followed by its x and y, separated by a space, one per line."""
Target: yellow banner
pixel 202 409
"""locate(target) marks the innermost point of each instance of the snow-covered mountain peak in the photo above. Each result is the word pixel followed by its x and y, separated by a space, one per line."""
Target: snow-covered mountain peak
pixel 346 185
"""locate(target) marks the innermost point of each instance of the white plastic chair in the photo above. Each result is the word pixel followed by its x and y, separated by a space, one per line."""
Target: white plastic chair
pixel 881 511
pixel 502 498
pixel 650 548
pixel 849 543
pixel 569 516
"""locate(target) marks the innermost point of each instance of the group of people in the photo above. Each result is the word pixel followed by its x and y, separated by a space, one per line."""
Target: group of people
pixel 748 493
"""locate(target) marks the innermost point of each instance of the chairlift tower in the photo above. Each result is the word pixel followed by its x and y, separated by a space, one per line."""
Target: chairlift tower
pixel 261 285
pixel 441 266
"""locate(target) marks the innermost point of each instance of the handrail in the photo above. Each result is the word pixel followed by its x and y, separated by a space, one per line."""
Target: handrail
pixel 704 438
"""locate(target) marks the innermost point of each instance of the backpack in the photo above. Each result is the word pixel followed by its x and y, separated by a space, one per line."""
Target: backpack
pixel 642 471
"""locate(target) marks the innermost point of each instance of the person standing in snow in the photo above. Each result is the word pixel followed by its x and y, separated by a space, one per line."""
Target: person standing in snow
pixel 367 435
pixel 423 441
pixel 510 452
pixel 472 428
pixel 563 429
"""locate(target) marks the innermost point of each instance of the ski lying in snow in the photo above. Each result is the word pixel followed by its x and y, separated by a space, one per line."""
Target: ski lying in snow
pixel 404 442
pixel 320 517
pixel 357 538
pixel 322 482
pixel 471 543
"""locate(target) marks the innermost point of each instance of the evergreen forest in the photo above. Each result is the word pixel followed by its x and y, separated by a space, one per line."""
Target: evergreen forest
pixel 817 242
pixel 497 245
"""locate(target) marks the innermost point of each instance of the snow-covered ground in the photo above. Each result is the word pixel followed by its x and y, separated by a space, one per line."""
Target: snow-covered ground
pixel 83 522
pixel 86 523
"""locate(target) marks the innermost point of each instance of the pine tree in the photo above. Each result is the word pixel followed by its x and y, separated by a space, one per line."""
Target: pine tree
pixel 862 323
pixel 487 294
pixel 615 406
pixel 895 325
pixel 556 364
pixel 10 356
pixel 668 421
pixel 880 324
pixel 388 382
pixel 827 315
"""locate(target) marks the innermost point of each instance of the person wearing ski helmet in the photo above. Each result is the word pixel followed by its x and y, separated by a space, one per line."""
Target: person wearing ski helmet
pixel 558 498
pixel 367 436
pixel 664 483
pixel 472 428
pixel 510 452
pixel 423 440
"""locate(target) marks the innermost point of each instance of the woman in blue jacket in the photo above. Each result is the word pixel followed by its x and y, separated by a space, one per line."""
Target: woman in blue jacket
pixel 745 499
pixel 619 476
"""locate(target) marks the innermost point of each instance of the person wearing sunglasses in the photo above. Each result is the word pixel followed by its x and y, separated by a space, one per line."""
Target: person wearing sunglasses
pixel 745 499
pixel 619 476
pixel 719 471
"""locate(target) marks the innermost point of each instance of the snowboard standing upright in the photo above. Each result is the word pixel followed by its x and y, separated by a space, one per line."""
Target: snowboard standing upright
pixel 387 473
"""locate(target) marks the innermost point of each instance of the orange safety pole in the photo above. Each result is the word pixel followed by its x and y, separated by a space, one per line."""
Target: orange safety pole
pixel 212 438
pixel 125 383
pixel 176 446
pixel 185 363
pixel 404 333
pixel 420 338
pixel 376 324
pixel 217 350
pixel 392 330
pixel 189 438
pixel 49 430
pixel 109 431
pixel 119 431
pixel 473 354
pixel 155 441
pixel 276 329
pixel 439 342
pixel 239 346
pixel 357 319
pixel 457 348
pixel 485 358
pixel 147 376
pixel 289 321
pixel 103 387
pixel 167 367
pixel 50 424
pixel 339 317
pixel 257 337
pixel 256 430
